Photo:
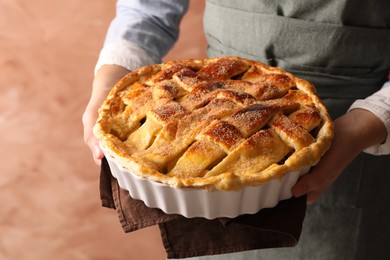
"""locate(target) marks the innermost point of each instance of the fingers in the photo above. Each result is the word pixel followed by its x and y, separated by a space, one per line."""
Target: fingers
pixel 106 77
pixel 314 184
pixel 89 119
pixel 325 173
pixel 350 138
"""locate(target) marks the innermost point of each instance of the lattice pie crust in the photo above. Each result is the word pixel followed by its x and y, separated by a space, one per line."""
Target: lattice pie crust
pixel 218 124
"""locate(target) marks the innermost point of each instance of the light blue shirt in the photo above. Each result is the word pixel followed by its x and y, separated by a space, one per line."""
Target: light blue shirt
pixel 152 25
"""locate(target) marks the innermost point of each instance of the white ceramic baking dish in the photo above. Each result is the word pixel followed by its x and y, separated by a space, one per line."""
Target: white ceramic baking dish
pixel 200 202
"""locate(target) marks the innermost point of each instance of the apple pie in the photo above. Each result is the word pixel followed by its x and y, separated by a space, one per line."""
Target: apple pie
pixel 217 124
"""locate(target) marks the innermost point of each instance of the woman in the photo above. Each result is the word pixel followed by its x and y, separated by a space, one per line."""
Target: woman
pixel 343 48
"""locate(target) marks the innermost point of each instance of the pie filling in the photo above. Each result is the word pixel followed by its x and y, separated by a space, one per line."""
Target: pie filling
pixel 220 123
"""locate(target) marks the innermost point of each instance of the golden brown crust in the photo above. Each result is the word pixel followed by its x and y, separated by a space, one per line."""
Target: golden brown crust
pixel 221 123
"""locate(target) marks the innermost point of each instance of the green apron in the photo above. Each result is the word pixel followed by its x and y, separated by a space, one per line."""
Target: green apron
pixel 343 48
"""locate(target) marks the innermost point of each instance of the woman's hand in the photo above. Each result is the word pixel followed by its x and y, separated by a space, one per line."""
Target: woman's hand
pixel 106 77
pixel 353 132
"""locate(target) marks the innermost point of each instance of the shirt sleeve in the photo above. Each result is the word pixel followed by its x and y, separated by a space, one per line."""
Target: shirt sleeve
pixel 142 32
pixel 379 104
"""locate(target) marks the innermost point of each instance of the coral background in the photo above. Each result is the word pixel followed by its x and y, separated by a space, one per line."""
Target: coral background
pixel 50 207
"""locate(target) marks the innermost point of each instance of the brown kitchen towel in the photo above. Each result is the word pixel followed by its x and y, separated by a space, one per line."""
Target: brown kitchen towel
pixel 188 237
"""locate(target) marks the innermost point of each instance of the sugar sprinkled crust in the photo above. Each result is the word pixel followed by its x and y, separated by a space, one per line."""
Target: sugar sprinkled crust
pixel 221 123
